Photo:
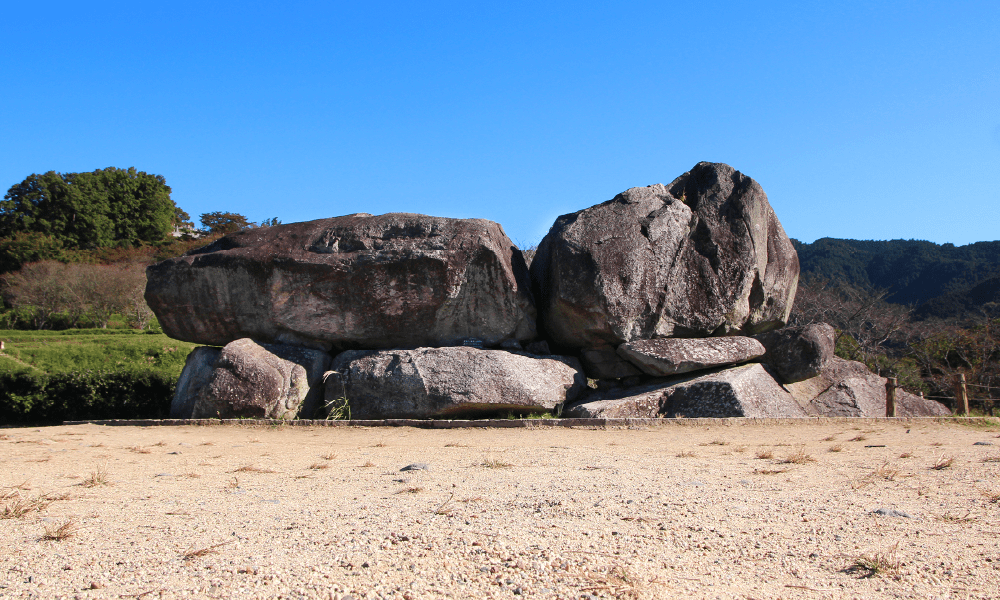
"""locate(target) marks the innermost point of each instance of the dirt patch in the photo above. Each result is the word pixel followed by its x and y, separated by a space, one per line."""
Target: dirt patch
pixel 753 511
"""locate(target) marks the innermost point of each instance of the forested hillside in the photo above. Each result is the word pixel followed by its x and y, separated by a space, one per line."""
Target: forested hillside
pixel 911 271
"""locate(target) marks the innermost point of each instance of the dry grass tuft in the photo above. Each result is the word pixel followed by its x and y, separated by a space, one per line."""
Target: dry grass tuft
pixel 715 443
pixel 317 466
pixel 880 563
pixel 829 438
pixel 98 476
pixel 380 444
pixel 496 463
pixel 191 475
pixel 992 497
pixel 769 471
pixel 799 457
pixel 739 448
pixel 992 459
pixel 906 455
pixel 950 518
pixel 764 454
pixel 207 444
pixel 686 454
pixel 17 508
pixel 138 449
pixel 328 456
pixel 835 448
pixel 414 489
pixel 616 582
pixel 937 444
pixel 858 438
pixel 943 463
pixel 886 471
pixel 252 469
pixel 455 445
pixel 368 464
pixel 160 443
pixel 213 549
pixel 61 532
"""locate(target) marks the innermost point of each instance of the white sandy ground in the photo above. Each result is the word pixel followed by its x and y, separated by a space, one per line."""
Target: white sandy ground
pixel 657 512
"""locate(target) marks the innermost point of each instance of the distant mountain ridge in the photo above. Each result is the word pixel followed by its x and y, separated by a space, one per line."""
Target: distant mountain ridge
pixel 914 271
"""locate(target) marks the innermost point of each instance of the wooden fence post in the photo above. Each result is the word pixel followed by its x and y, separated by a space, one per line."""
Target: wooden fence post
pixel 961 396
pixel 890 396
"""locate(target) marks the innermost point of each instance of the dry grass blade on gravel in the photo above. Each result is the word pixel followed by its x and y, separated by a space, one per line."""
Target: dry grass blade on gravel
pixel 769 471
pixel 799 457
pixel 992 459
pixel 617 581
pixel 17 508
pixel 943 463
pixel 496 463
pixel 213 549
pixel 835 448
pixel 99 476
pixel 61 532
pixel 858 438
pixel 992 497
pixel 880 563
pixel 764 454
pixel 252 469
pixel 317 466
pixel 139 450
pixel 413 489
pixel 686 454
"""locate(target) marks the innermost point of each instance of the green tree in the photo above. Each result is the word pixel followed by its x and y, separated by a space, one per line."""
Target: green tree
pixel 103 208
pixel 225 222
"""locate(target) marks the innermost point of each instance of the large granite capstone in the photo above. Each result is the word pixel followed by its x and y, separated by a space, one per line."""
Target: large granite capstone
pixel 702 256
pixel 397 280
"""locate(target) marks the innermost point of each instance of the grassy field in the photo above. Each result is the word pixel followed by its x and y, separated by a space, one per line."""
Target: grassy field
pixel 75 350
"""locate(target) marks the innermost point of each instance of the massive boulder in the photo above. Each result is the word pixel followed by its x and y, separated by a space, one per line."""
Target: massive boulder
pixel 798 353
pixel 246 379
pixel 451 382
pixel 673 356
pixel 359 281
pixel 846 388
pixel 742 391
pixel 702 256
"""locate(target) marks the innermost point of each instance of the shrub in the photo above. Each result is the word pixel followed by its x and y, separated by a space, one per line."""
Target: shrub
pixel 35 397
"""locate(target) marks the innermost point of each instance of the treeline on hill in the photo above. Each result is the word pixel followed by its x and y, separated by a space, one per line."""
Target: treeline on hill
pixel 916 310
pixel 73 252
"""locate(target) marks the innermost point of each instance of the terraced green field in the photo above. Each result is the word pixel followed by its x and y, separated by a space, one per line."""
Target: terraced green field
pixel 75 350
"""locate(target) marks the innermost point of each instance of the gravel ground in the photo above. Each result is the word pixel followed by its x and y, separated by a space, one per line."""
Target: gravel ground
pixel 756 511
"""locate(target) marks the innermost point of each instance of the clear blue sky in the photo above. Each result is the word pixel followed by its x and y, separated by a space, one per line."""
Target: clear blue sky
pixel 869 120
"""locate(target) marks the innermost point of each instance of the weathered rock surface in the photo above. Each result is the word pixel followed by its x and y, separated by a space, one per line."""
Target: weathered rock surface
pixel 704 255
pixel 638 402
pixel 249 381
pixel 742 391
pixel 218 382
pixel 195 376
pixel 673 356
pixel 798 353
pixel 605 363
pixel 451 382
pixel 847 388
pixel 358 281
